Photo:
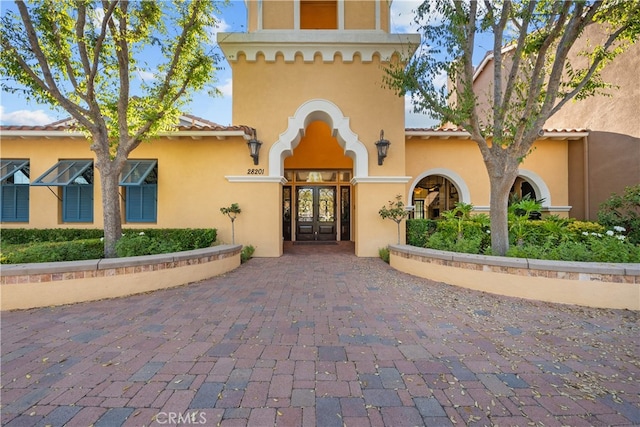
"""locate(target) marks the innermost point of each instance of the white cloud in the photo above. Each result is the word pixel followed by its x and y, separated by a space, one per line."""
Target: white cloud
pixel 25 117
pixel 441 80
pixel 416 120
pixel 403 13
pixel 226 89
pixel 221 27
pixel 146 75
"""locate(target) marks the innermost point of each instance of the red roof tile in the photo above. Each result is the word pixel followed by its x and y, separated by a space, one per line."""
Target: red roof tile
pixel 63 125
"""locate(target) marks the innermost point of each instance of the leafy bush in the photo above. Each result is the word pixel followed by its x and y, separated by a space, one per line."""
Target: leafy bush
pixel 74 250
pixel 141 244
pixel 623 211
pixel 17 236
pixel 25 245
pixel 579 227
pixel 461 235
pixel 384 254
pixel 160 241
pixel 246 253
pixel 469 245
pixel 419 230
pixel 552 238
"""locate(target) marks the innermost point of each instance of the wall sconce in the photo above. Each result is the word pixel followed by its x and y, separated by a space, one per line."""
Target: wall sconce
pixel 254 148
pixel 383 146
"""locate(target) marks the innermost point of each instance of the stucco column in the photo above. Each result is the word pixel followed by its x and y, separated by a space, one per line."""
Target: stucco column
pixel 370 231
pixel 260 222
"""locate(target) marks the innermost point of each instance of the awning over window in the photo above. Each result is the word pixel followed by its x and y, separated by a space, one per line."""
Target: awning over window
pixel 136 171
pixel 10 167
pixel 66 172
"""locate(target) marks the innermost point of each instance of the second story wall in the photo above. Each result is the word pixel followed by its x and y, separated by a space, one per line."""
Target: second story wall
pixel 318 15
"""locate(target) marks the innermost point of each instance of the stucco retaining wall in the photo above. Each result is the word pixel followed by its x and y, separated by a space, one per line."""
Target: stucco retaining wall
pixel 582 283
pixel 24 286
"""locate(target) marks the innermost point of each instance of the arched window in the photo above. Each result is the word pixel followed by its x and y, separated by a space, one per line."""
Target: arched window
pixel 433 195
pixel 522 189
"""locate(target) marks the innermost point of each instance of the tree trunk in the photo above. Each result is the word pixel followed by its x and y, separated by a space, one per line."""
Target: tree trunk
pixel 233 231
pixel 501 184
pixel 109 178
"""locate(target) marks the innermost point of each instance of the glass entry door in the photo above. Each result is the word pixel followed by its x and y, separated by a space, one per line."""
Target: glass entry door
pixel 315 213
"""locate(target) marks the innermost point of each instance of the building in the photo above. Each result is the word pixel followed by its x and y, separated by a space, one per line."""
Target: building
pixel 308 85
pixel 607 158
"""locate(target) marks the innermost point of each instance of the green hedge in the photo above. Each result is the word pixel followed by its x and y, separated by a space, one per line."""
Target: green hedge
pixel 75 250
pixel 26 246
pixel 21 236
pixel 419 230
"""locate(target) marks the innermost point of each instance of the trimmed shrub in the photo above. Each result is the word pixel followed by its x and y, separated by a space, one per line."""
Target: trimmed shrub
pixel 74 250
pixel 419 230
pixel 246 253
pixel 18 236
pixel 384 254
pixel 34 248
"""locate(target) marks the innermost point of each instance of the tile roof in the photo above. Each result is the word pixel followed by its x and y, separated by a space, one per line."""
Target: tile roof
pixel 197 124
pixel 460 129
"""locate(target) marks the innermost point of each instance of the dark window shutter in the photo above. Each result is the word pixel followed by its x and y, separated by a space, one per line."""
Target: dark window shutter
pixel 77 203
pixel 142 203
pixel 15 203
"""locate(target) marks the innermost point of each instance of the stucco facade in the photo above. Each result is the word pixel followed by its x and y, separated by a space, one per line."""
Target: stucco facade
pixel 607 159
pixel 316 101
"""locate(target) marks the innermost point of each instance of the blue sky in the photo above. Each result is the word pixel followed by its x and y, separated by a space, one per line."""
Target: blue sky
pixel 14 110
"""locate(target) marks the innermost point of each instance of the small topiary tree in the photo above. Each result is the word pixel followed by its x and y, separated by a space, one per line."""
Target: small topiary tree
pixel 232 212
pixel 394 211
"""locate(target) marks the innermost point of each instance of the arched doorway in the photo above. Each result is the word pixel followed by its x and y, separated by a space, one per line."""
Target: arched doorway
pixel 318 155
pixel 317 197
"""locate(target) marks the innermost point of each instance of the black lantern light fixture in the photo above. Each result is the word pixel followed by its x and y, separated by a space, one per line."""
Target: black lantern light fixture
pixel 254 148
pixel 383 146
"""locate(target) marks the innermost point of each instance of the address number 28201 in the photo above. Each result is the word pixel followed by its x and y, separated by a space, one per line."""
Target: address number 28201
pixel 255 171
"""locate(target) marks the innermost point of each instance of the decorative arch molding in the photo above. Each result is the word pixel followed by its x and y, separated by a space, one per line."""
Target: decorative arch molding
pixel 461 186
pixel 539 186
pixel 329 113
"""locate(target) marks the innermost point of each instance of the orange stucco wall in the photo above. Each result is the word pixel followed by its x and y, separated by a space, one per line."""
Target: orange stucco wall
pixel 45 210
pixel 356 88
pixel 359 15
pixel 277 15
pixel 191 181
pixel 548 159
pixel 609 159
pixel 318 149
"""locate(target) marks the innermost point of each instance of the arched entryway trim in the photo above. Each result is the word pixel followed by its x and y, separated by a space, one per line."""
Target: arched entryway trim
pixel 539 186
pixel 319 110
pixel 461 186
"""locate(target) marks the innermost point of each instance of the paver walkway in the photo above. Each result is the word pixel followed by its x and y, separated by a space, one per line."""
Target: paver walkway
pixel 319 337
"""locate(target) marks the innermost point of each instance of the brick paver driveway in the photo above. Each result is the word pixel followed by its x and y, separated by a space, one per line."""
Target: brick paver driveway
pixel 319 337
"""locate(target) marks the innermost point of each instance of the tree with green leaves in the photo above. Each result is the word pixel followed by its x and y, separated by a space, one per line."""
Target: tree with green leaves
pixel 533 78
pixel 232 212
pixel 85 57
pixel 395 211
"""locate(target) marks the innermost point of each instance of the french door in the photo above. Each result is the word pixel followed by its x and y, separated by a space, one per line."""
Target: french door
pixel 316 213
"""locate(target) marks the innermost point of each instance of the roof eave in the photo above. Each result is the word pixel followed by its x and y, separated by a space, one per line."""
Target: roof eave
pixel 220 134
